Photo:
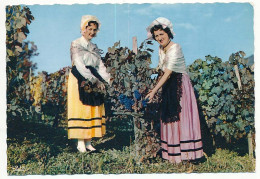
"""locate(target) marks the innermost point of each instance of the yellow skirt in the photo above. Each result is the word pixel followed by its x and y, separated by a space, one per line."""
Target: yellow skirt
pixel 84 121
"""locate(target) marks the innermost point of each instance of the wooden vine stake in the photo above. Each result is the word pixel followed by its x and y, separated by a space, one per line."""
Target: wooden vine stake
pixel 250 144
pixel 249 135
pixel 135 118
pixel 138 130
pixel 238 77
pixel 135 45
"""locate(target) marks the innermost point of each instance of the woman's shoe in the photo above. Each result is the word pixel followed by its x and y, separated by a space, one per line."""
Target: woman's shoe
pixel 81 146
pixel 92 151
pixel 81 150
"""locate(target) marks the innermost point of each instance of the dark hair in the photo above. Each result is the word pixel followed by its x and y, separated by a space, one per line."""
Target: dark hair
pixel 159 27
pixel 92 22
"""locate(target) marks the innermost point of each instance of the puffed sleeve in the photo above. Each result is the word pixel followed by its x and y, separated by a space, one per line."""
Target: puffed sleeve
pixel 103 73
pixel 160 63
pixel 77 56
pixel 175 59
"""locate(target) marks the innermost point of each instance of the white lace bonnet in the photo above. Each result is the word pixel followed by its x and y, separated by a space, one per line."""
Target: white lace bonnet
pixel 85 19
pixel 159 21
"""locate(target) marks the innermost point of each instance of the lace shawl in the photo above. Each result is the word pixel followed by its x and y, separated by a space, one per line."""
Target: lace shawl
pixel 85 53
pixel 173 59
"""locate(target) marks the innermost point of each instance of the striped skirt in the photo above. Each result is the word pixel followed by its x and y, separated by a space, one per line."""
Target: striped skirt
pixel 84 121
pixel 181 140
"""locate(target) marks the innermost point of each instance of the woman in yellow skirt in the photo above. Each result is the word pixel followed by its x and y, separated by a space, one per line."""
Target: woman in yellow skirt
pixel 86 113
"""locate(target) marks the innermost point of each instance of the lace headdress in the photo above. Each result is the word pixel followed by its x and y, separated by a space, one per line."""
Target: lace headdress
pixel 159 21
pixel 87 18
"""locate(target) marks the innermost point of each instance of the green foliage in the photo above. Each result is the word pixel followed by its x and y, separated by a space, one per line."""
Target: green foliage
pixel 31 150
pixel 19 68
pixel 123 162
pixel 55 92
pixel 27 153
pixel 49 93
pixel 131 77
pixel 228 110
pixel 131 81
pixel 226 161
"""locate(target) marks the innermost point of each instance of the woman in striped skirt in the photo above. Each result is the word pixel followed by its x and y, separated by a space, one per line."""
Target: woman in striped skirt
pixel 180 124
pixel 86 113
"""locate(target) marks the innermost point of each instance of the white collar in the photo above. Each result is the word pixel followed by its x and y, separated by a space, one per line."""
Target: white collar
pixel 84 42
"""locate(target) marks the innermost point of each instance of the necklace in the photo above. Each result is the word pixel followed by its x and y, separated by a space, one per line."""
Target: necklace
pixel 166 46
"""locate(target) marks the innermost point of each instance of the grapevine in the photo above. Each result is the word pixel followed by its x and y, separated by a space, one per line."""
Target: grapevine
pixel 227 105
pixel 19 67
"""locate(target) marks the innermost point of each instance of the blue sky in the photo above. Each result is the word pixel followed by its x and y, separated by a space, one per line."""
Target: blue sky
pixel 216 29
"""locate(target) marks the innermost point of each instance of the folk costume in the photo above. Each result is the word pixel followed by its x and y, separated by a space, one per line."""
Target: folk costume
pixel 179 119
pixel 86 113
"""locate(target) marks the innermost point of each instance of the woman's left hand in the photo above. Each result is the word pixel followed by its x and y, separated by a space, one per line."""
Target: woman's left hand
pixel 110 81
pixel 162 80
pixel 101 85
pixel 150 96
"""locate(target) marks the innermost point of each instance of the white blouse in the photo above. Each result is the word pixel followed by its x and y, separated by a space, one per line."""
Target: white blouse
pixel 85 53
pixel 173 59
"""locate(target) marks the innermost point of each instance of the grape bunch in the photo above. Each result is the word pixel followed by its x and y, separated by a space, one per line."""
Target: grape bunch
pixel 247 129
pixel 219 121
pixel 137 95
pixel 127 102
pixel 144 102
